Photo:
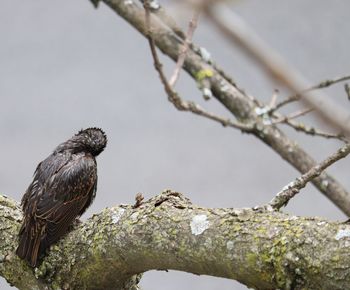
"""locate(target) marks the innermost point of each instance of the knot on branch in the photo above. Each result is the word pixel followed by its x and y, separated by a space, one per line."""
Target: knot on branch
pixel 176 199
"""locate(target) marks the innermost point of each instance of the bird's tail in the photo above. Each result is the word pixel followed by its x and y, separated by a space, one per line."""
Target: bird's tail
pixel 30 242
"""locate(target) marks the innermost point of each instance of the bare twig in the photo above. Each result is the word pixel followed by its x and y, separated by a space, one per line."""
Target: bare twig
pixel 292 116
pixel 169 21
pixel 138 200
pixel 240 104
pixel 191 28
pixel 283 197
pixel 268 116
pixel 175 98
pixel 301 127
pixel 347 90
pixel 273 100
pixel 309 130
pixel 321 85
pixel 239 33
pixel 328 83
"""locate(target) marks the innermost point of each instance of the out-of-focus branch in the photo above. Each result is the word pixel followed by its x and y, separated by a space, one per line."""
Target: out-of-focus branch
pixel 172 95
pixel 191 27
pixel 284 196
pixel 321 85
pixel 239 33
pixel 261 249
pixel 188 105
pixel 234 99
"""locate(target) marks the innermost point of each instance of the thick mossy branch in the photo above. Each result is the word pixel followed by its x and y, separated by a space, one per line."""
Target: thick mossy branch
pixel 263 250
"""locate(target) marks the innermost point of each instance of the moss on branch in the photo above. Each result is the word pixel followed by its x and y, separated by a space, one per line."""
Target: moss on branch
pixel 263 250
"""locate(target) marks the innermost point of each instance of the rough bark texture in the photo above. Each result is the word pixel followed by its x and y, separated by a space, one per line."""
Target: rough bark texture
pixel 263 250
pixel 234 99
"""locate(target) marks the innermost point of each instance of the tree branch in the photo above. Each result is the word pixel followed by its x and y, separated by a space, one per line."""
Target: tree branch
pixel 191 28
pixel 283 197
pixel 309 130
pixel 292 116
pixel 238 32
pixel 263 250
pixel 234 99
pixel 321 85
pixel 173 96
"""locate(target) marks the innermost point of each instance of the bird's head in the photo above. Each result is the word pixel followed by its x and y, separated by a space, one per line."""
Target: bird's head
pixel 92 140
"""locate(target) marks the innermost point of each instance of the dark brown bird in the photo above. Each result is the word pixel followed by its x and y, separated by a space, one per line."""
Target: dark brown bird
pixel 63 187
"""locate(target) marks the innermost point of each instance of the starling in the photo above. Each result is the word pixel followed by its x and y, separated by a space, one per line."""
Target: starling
pixel 63 187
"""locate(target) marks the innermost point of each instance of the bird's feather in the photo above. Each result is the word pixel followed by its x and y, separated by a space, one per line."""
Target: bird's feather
pixel 63 187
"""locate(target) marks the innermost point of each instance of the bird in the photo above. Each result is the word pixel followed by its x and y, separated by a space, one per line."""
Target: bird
pixel 63 187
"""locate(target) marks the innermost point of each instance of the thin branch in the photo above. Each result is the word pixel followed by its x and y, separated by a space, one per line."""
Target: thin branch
pixel 174 97
pixel 273 100
pixel 191 28
pixel 239 33
pixel 328 83
pixel 298 126
pixel 321 85
pixel 283 197
pixel 292 116
pixel 312 131
pixel 347 90
pixel 301 127
pixel 240 104
pixel 169 21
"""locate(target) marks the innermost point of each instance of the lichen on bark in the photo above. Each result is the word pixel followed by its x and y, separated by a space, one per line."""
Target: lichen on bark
pixel 262 249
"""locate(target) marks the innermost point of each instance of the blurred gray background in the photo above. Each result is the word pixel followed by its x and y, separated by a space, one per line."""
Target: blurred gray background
pixel 66 66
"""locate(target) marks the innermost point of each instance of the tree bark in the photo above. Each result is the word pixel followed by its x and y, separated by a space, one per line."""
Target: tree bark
pixel 263 250
pixel 241 105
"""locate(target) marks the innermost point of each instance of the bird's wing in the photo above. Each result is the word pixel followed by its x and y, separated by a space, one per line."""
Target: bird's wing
pixel 65 195
pixel 43 172
pixel 63 186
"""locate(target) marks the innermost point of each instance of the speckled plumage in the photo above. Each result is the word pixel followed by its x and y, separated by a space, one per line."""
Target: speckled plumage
pixel 63 187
